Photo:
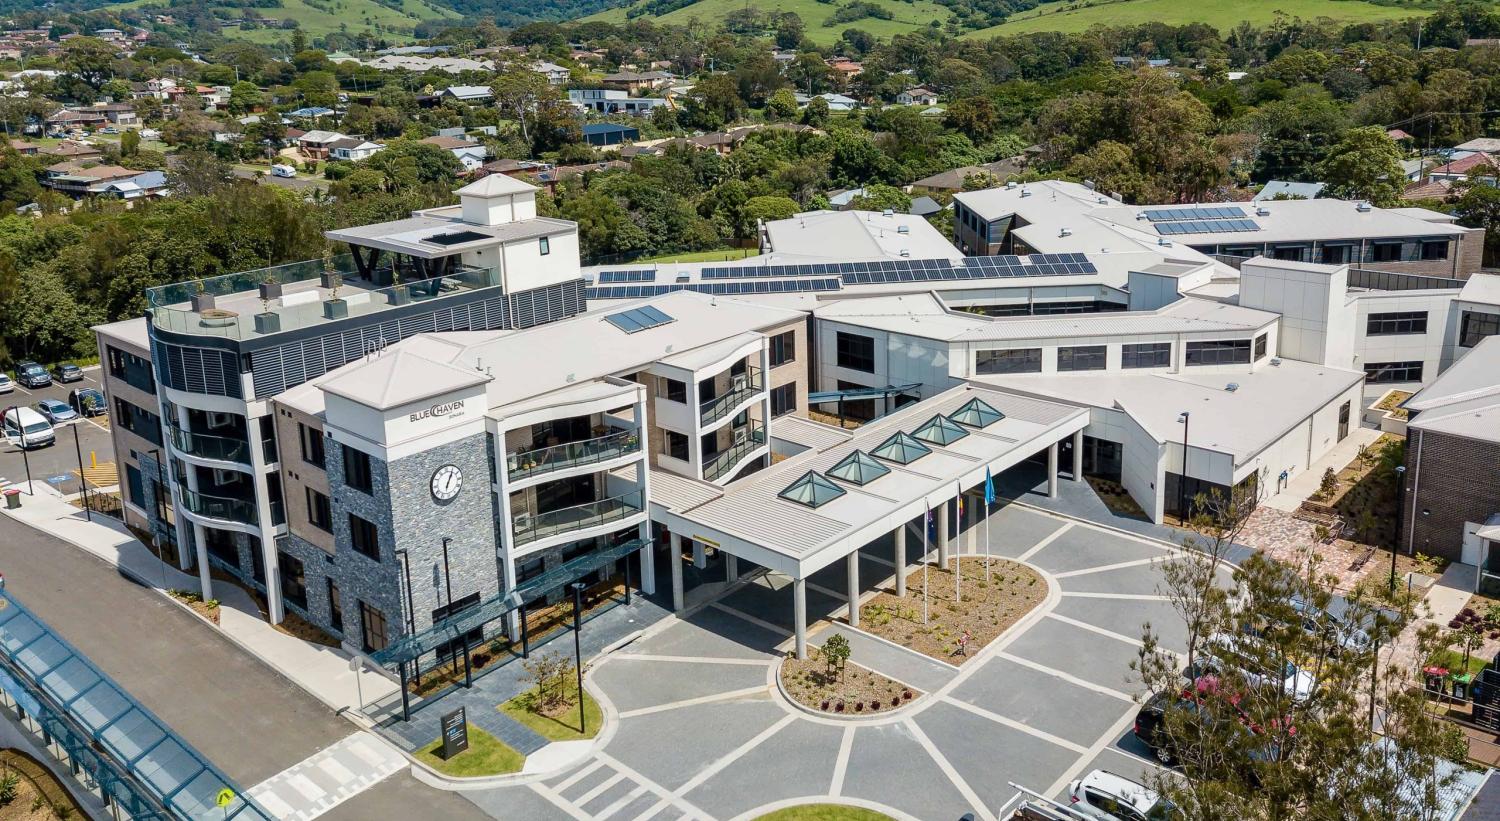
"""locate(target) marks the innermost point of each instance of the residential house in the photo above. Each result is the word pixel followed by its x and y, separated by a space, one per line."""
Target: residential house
pixel 1462 169
pixel 917 96
pixel 845 68
pixel 315 143
pixel 612 101
pixel 952 180
pixel 836 102
pixel 467 94
pixel 354 149
pixel 78 179
pixel 24 148
pixel 603 134
pixel 556 75
pixel 470 153
pixel 70 118
pixel 72 150
pixel 1286 190
pixel 636 82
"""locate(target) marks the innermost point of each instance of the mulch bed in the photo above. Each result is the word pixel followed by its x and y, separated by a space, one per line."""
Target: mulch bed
pixel 858 691
pixel 987 609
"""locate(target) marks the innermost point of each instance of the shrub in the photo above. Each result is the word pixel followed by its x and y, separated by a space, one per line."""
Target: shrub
pixel 906 695
pixel 838 708
pixel 859 706
pixel 874 705
pixel 9 785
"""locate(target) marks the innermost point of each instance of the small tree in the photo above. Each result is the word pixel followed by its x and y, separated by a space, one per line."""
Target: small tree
pixel 1329 484
pixel 549 674
pixel 836 653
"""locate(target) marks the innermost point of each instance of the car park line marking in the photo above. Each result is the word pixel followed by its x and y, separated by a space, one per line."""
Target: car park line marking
pixel 696 659
pixel 1068 677
pixel 1104 568
pixel 937 757
pixel 1015 725
pixel 1083 625
pixel 1117 596
pixel 841 764
pixel 576 777
pixel 734 755
pixel 599 790
pixel 609 811
pixel 96 424
pixel 1037 548
pixel 1105 740
pixel 558 801
pixel 691 702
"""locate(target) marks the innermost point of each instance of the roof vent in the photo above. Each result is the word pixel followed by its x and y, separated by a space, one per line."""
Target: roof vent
pixel 903 229
pixel 887 213
pixel 1362 207
pixel 1232 387
pixel 1262 211
pixel 1276 360
pixel 1025 193
pixel 905 252
pixel 1140 215
pixel 1065 232
pixel 1010 185
pixel 1164 242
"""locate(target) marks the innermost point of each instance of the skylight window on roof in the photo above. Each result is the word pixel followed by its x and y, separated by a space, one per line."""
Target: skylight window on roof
pixel 455 238
pixel 976 413
pixel 858 468
pixel 901 448
pixel 940 430
pixel 812 489
pixel 638 319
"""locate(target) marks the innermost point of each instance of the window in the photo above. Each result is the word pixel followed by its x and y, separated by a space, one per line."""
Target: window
pixel 1399 322
pixel 1082 358
pixel 1219 352
pixel 1477 326
pixel 142 423
pixel 1260 347
pixel 335 605
pixel 1292 252
pixel 293 581
pixel 357 470
pixel 675 445
pixel 372 624
pixel 312 445
pixel 855 352
pixel 783 348
pixel 545 245
pixel 134 370
pixel 136 488
pixel 1435 249
pixel 529 569
pixel 319 512
pixel 674 389
pixel 1380 372
pixel 364 537
pixel 1146 355
pixel 1386 252
pixel 1336 254
pixel 1019 360
pixel 784 399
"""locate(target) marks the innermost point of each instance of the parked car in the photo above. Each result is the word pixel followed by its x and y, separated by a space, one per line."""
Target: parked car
pixel 31 375
pixel 1149 720
pixel 27 428
pixel 1102 794
pixel 56 411
pixel 68 372
pixel 6 385
pixel 1342 634
pixel 1243 654
pixel 109 129
pixel 150 134
pixel 283 170
pixel 88 402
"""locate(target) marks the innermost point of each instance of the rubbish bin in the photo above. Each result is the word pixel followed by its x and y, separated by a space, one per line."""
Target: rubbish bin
pixel 1461 686
pixel 13 499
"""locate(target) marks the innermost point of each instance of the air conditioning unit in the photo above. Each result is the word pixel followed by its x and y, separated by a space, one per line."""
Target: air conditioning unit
pixel 741 381
pixel 522 521
pixel 741 436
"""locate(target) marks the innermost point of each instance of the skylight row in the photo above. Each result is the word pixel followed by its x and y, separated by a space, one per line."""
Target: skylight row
pixel 1207 226
pixel 1194 212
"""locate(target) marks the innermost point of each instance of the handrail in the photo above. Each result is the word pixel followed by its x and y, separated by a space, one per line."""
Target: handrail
pixel 712 410
pixel 205 446
pixel 218 507
pixel 726 460
pixel 525 464
pixel 531 527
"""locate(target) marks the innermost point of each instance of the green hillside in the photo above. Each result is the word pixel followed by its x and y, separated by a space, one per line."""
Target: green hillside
pixel 1079 15
pixel 907 15
pixel 319 17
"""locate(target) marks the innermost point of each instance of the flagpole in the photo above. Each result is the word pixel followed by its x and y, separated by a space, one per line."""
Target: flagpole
pixel 989 499
pixel 926 523
pixel 958 548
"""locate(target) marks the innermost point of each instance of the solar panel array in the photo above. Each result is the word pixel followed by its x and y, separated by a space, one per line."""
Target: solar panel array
pixel 759 286
pixel 1233 226
pixel 635 275
pixel 638 319
pixel 1194 212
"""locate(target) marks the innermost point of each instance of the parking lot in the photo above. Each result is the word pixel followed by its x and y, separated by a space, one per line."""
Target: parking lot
pixel 58 463
pixel 703 731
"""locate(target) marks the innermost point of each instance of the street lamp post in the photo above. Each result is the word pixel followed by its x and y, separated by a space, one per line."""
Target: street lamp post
pixel 1400 508
pixel 83 481
pixel 1182 480
pixel 578 651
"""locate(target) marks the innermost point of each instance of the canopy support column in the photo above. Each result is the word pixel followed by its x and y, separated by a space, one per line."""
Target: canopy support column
pixel 799 616
pixel 1078 456
pixel 1052 470
pixel 901 561
pixel 853 562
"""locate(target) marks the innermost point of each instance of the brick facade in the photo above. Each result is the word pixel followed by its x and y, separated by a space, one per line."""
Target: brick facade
pixel 1454 482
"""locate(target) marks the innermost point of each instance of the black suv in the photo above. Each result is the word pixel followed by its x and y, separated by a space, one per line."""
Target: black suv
pixel 31 375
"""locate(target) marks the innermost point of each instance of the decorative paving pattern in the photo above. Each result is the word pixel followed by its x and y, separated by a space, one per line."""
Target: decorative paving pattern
pixel 1283 537
pixel 328 778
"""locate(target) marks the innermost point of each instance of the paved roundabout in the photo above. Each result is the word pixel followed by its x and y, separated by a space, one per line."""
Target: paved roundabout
pixel 698 728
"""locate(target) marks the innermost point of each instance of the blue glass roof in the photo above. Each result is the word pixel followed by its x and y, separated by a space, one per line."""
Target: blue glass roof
pixel 812 489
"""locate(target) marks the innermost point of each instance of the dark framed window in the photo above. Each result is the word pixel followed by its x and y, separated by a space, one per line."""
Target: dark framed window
pixel 1385 252
pixel 1018 360
pixel 293 579
pixel 1082 358
pixel 1379 372
pixel 1396 323
pixel 675 390
pixel 335 605
pixel 675 445
pixel 783 399
pixel 357 473
pixel 545 245
pixel 134 370
pixel 372 625
pixel 319 510
pixel 364 537
pixel 1336 254
pixel 1477 326
pixel 135 486
pixel 1433 249
pixel 530 569
pixel 1219 352
pixel 856 352
pixel 1146 355
pixel 783 348
pixel 312 445
pixel 1260 347
pixel 1291 252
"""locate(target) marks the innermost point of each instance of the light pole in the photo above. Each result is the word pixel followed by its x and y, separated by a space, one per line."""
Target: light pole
pixel 1182 480
pixel 578 651
pixel 83 481
pixel 448 587
pixel 1400 508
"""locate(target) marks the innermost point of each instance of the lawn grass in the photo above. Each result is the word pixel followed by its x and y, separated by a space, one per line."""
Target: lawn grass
pixel 486 755
pixel 824 812
pixel 1453 660
pixel 907 16
pixel 1080 15
pixel 352 15
pixel 562 728
pixel 715 255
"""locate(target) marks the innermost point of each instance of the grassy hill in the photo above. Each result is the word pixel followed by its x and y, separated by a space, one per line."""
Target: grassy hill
pixel 319 17
pixel 1079 15
pixel 907 15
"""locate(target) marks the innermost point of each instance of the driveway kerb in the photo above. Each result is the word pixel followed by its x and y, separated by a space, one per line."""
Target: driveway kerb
pixel 854 719
pixel 766 809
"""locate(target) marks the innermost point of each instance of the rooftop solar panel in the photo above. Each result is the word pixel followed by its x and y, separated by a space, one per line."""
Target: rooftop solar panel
pixel 638 319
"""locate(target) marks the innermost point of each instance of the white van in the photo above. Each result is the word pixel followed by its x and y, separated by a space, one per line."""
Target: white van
pixel 28 428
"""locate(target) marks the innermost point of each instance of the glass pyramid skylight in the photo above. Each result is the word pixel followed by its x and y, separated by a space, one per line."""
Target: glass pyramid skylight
pixel 812 489
pixel 940 430
pixel 901 449
pixel 858 468
pixel 976 413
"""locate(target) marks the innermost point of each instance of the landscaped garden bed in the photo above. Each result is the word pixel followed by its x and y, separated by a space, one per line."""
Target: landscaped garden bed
pixel 827 684
pixel 550 707
pixel 991 603
pixel 29 792
pixel 824 812
pixel 207 609
pixel 486 755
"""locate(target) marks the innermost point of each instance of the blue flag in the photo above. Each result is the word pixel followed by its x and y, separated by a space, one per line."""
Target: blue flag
pixel 989 487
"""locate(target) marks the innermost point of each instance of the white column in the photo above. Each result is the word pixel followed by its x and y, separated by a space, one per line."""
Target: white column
pixel 731 567
pixel 799 615
pixel 675 559
pixel 1078 456
pixel 901 560
pixel 1052 470
pixel 648 561
pixel 853 563
pixel 205 582
pixel 700 555
pixel 944 527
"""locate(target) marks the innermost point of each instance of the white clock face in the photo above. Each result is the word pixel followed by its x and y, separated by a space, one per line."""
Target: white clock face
pixel 446 482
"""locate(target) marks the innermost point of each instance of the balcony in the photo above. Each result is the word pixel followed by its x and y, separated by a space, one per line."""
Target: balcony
pixel 203 446
pixel 725 461
pixel 532 527
pixel 218 507
pixel 742 387
pixel 526 464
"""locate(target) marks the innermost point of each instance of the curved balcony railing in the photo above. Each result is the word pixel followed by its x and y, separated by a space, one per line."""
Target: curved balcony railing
pixel 525 464
pixel 221 448
pixel 218 507
pixel 725 461
pixel 529 527
pixel 746 386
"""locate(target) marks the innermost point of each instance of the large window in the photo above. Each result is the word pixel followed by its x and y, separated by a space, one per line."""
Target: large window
pixel 1336 254
pixel 1433 249
pixel 1019 360
pixel 133 370
pixel 1396 323
pixel 1378 372
pixel 1081 358
pixel 1386 252
pixel 783 399
pixel 1219 352
pixel 364 537
pixel 293 580
pixel 1477 326
pixel 1260 347
pixel 319 511
pixel 312 445
pixel 135 486
pixel 357 473
pixel 783 348
pixel 335 606
pixel 855 352
pixel 1146 355
pixel 141 422
pixel 675 445
pixel 1291 252
pixel 372 625
pixel 674 390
